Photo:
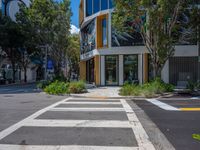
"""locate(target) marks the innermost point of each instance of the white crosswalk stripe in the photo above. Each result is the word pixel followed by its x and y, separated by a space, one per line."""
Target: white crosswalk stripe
pixel 132 123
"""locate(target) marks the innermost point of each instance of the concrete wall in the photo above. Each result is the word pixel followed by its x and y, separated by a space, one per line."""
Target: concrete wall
pixel 121 70
pixel 165 72
pixel 181 51
pixel 187 50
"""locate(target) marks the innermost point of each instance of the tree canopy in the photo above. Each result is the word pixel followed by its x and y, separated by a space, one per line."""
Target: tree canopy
pixel 156 21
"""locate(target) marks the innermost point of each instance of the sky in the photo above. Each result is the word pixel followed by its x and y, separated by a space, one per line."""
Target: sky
pixel 75 11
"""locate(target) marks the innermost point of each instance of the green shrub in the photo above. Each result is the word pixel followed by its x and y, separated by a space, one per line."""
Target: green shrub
pixel 192 86
pixel 57 88
pixel 77 87
pixel 60 78
pixel 150 89
pixel 130 90
pixel 43 84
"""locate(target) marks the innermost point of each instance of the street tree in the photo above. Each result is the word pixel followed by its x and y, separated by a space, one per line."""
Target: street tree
pixel 156 21
pixel 73 55
pixel 46 25
pixel 11 39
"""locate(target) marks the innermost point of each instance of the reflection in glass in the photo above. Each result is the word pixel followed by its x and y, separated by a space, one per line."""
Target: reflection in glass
pixel 111 70
pixel 96 6
pixel 130 68
pixel 104 32
pixel 129 36
pixel 111 3
pixel 104 4
pixel 88 37
pixel 88 7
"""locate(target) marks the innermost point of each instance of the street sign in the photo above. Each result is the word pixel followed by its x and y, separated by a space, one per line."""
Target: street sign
pixel 49 64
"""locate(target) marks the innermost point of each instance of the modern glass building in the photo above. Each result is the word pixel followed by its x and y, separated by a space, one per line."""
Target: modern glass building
pixel 109 57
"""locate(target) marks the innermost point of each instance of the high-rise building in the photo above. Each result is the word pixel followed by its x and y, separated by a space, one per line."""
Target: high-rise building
pixel 11 7
pixel 109 57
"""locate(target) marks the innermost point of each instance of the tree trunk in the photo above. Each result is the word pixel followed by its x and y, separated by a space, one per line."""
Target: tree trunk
pixel 156 70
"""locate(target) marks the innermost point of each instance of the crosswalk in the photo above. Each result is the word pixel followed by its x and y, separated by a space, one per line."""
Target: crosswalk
pixel 79 124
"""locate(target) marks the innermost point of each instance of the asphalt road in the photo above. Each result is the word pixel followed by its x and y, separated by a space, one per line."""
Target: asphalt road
pixel 18 102
pixel 177 126
pixel 37 121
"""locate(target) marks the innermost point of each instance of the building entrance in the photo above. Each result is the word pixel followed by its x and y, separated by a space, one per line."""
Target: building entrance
pixel 111 70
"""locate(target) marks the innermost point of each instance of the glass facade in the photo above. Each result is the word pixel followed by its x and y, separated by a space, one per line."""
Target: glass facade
pixel 104 4
pixel 129 38
pixel 111 3
pixel 111 70
pixel 131 68
pixel 96 6
pixel 104 32
pixel 187 34
pixel 89 7
pixel 88 37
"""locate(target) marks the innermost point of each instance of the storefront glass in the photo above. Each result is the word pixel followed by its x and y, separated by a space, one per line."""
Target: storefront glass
pixel 90 70
pixel 111 70
pixel 131 68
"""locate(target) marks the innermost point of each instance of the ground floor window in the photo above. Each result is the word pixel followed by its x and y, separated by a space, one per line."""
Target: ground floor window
pixel 111 70
pixel 130 68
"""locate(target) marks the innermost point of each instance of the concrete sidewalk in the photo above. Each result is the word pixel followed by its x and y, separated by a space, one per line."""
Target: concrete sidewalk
pixel 101 92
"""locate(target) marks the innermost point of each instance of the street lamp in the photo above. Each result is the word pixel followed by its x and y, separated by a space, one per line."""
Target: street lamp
pixel 6 2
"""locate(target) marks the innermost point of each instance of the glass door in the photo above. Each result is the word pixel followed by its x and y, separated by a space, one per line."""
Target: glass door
pixel 111 70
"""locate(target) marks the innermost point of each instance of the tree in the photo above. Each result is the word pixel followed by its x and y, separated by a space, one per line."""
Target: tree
pixel 10 40
pixel 196 23
pixel 46 23
pixel 73 55
pixel 156 21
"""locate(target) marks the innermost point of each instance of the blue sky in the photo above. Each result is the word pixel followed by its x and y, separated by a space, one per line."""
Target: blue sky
pixel 75 11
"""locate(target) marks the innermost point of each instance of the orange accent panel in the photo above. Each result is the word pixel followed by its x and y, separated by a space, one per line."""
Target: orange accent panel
pixel 99 31
pixel 81 12
pixel 97 69
pixel 82 66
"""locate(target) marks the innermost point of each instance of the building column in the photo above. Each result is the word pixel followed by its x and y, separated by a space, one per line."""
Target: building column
pixel 121 70
pixel 97 69
pixel 82 66
pixel 145 68
pixel 102 70
pixel 165 72
pixel 140 68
